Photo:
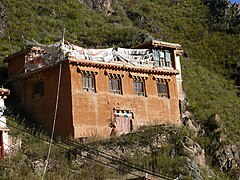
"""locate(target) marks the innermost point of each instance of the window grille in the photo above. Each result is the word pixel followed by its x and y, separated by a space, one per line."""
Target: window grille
pixel 115 82
pixel 88 80
pixel 89 83
pixel 162 88
pixel 139 87
pixel 115 85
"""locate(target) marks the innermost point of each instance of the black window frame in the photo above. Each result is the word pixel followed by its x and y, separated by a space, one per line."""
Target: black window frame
pixel 136 83
pixel 163 89
pixel 88 83
pixel 115 85
pixel 38 89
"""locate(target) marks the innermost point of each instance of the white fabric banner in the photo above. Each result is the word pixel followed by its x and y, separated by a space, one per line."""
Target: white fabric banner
pixel 105 55
pixel 133 52
pixel 77 52
pixel 135 56
pixel 51 54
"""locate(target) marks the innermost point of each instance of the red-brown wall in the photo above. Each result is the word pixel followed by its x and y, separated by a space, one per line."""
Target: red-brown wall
pixel 15 67
pixel 84 114
pixel 92 112
pixel 43 108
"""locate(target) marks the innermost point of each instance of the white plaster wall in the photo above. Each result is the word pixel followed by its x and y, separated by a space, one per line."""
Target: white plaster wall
pixel 1 102
pixel 2 106
pixel 3 126
pixel 6 144
pixel 2 122
pixel 179 78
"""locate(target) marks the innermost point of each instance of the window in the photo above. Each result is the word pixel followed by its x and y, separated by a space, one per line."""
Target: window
pixel 88 80
pixel 38 89
pixel 115 85
pixel 162 88
pixel 88 83
pixel 162 58
pixel 139 87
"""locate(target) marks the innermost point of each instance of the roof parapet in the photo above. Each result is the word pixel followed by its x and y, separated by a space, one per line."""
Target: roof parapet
pixel 166 44
pixel 158 43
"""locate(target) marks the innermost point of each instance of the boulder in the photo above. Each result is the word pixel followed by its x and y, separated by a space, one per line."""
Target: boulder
pixel 193 150
pixel 215 125
pixel 38 166
pixel 188 123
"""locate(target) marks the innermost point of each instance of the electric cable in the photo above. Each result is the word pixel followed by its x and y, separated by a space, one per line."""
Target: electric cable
pixel 111 158
pixel 10 146
pixel 73 153
pixel 54 120
pixel 13 76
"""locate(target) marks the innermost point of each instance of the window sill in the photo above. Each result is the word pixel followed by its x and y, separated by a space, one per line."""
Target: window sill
pixel 162 97
pixel 140 95
pixel 116 94
pixel 37 96
pixel 89 91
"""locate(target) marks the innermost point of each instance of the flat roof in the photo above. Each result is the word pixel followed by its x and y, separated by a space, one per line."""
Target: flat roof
pixel 158 43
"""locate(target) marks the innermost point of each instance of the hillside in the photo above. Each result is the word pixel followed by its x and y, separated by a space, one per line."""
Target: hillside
pixel 209 32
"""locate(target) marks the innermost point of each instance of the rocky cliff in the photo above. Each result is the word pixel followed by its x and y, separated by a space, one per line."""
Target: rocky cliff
pixel 100 5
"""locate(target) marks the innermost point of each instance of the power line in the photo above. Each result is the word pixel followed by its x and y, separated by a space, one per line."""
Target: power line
pixel 113 158
pixel 54 119
pixel 13 76
pixel 110 157
pixel 94 160
pixel 74 153
pixel 9 146
pixel 106 156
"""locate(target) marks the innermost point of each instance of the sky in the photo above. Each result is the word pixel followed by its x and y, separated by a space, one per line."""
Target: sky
pixel 233 1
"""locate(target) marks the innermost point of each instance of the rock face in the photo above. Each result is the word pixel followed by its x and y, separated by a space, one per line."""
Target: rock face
pixel 228 158
pixel 38 166
pixel 151 144
pixel 193 150
pixel 100 5
pixel 215 125
pixel 194 169
pixel 186 117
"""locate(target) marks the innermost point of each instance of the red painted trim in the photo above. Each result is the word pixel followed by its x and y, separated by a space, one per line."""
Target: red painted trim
pixel 2 145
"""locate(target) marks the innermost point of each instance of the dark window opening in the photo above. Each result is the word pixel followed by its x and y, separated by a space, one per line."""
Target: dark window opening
pixel 162 88
pixel 88 83
pixel 115 85
pixel 38 89
pixel 139 87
